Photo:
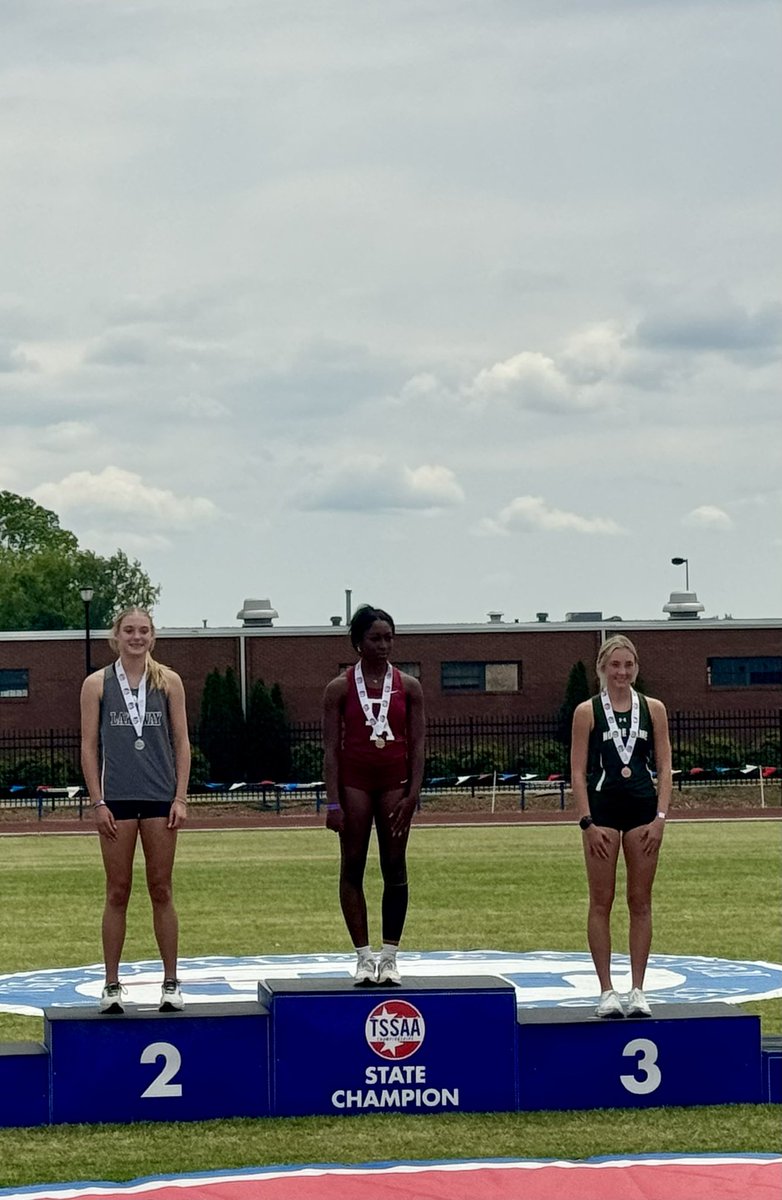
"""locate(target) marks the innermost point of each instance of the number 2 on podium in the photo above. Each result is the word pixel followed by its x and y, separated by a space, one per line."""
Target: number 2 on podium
pixel 162 1085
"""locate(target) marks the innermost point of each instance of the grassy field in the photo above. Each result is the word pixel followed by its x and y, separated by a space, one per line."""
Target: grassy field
pixel 253 892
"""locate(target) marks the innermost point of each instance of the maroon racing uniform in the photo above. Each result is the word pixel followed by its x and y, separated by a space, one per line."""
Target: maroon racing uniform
pixel 361 764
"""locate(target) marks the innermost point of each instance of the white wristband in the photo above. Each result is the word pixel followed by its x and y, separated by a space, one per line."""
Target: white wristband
pixel 661 815
pixel 99 804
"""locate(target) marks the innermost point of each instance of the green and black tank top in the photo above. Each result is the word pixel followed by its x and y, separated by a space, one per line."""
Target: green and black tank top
pixel 604 766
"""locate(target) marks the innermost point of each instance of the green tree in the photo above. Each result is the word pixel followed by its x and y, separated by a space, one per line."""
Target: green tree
pixel 268 735
pixel 221 727
pixel 577 690
pixel 42 570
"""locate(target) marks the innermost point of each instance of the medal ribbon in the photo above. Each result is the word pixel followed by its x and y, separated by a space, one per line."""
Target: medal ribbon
pixel 137 707
pixel 379 724
pixel 623 749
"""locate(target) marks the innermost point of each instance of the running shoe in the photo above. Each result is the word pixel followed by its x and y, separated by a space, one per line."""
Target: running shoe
pixel 171 996
pixel 365 971
pixel 387 971
pixel 609 1007
pixel 637 1004
pixel 111 998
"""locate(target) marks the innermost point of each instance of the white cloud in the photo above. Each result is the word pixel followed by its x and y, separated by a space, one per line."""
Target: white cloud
pixel 528 379
pixel 115 490
pixel 369 482
pixel 531 514
pixel 708 516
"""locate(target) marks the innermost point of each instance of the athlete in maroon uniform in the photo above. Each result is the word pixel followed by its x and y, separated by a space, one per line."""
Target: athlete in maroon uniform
pixel 373 732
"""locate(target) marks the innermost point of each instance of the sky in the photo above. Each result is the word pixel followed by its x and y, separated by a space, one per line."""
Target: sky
pixel 462 305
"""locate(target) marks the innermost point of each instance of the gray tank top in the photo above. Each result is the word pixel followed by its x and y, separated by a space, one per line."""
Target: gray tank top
pixel 127 773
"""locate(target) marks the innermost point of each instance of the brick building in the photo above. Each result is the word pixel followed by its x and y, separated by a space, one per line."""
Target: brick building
pixel 466 670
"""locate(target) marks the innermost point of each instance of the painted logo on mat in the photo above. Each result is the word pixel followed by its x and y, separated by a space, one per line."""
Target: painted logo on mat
pixel 542 978
pixel 395 1029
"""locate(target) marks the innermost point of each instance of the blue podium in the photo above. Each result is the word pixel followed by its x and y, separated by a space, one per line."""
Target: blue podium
pixel 24 1084
pixel 434 1045
pixel 212 1060
pixel 682 1054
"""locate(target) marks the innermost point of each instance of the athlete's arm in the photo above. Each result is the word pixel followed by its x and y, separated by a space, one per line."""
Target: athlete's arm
pixel 596 840
pixel 180 738
pixel 333 700
pixel 91 695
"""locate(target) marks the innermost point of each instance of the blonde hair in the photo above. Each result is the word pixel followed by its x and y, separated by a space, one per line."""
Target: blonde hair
pixel 617 642
pixel 157 674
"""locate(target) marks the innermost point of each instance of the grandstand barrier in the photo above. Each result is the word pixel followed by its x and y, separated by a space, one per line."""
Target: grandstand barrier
pixel 324 1046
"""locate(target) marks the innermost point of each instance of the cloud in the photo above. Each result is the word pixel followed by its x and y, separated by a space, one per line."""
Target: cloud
pixel 372 483
pixel 528 379
pixel 115 490
pixel 708 516
pixel 13 359
pixel 531 514
pixel 724 328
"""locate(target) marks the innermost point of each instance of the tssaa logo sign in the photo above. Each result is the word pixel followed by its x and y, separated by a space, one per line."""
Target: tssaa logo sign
pixel 395 1029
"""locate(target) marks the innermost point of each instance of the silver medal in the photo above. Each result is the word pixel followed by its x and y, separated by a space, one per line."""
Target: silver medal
pixel 139 743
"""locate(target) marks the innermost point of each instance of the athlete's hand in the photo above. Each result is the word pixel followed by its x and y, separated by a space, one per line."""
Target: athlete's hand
pixel 402 814
pixel 177 814
pixel 335 818
pixel 105 823
pixel 598 841
pixel 652 836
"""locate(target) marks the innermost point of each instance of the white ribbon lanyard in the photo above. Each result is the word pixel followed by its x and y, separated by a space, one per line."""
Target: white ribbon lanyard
pixel 136 706
pixel 381 730
pixel 623 748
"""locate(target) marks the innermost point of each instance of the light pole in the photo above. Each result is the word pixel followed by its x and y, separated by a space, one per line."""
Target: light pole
pixel 86 594
pixel 685 562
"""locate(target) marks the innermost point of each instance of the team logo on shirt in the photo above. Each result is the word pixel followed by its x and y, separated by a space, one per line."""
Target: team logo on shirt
pixel 395 1029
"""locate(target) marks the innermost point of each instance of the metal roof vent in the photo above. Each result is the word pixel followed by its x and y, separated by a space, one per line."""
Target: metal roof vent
pixel 495 618
pixel 257 612
pixel 683 606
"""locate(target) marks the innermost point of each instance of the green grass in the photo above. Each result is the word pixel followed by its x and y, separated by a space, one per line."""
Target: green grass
pixel 520 888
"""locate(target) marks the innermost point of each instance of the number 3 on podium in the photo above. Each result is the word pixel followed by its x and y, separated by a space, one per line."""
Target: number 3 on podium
pixel 647 1076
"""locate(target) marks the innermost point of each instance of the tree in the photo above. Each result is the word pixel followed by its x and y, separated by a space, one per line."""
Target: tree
pixel 577 690
pixel 221 727
pixel 268 735
pixel 42 570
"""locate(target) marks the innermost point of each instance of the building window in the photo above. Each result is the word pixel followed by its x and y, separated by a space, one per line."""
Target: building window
pixel 744 672
pixel 13 684
pixel 480 677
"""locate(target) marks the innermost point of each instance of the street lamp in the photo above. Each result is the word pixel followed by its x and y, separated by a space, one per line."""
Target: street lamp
pixel 685 562
pixel 86 594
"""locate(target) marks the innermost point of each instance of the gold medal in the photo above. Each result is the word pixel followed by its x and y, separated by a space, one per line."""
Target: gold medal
pixel 380 743
pixel 626 772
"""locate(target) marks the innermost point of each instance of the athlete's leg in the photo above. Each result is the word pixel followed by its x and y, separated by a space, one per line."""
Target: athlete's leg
pixel 601 877
pixel 393 866
pixel 641 868
pixel 159 844
pixel 118 864
pixel 357 807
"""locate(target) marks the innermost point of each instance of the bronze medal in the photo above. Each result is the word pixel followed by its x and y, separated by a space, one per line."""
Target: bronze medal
pixel 626 772
pixel 380 743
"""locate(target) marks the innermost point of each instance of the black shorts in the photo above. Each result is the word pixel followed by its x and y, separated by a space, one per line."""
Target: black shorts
pixel 138 810
pixel 621 812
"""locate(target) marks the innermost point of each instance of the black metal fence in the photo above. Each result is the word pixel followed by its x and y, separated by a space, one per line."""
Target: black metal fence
pixel 708 745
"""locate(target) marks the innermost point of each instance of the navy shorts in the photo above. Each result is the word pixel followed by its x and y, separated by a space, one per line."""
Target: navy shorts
pixel 622 812
pixel 138 810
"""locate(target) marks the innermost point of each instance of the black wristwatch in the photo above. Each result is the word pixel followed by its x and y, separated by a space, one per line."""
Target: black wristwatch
pixel 585 822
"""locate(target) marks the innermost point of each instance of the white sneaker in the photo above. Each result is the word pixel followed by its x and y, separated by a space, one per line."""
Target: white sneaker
pixel 637 1004
pixel 171 996
pixel 609 1006
pixel 111 998
pixel 365 971
pixel 387 971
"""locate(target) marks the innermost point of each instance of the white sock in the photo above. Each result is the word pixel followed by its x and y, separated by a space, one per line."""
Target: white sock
pixel 363 952
pixel 388 950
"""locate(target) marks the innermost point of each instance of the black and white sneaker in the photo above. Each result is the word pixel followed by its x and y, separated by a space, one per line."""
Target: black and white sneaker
pixel 111 998
pixel 171 996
